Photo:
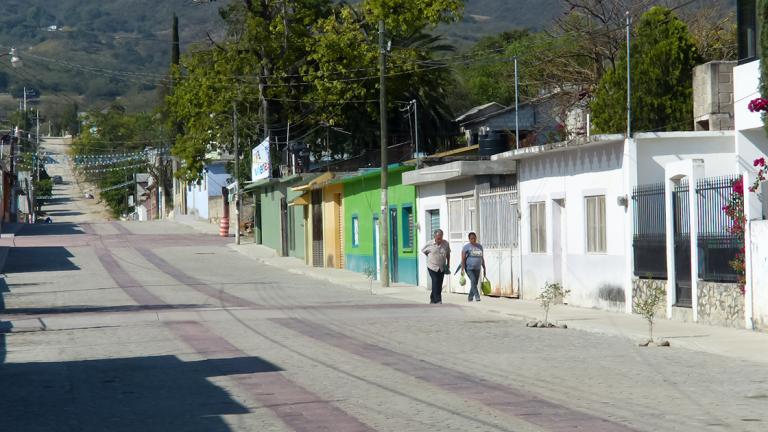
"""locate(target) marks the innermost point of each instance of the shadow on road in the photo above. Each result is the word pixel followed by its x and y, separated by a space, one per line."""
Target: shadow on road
pixel 54 214
pixel 5 326
pixel 79 309
pixel 39 259
pixel 28 230
pixel 148 394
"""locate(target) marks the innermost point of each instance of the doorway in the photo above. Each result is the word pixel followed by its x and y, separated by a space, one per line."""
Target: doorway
pixel 558 240
pixel 317 228
pixel 393 244
pixel 682 240
pixel 376 243
pixel 284 226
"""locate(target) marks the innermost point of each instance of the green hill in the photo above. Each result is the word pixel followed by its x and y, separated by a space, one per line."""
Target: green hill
pixel 96 51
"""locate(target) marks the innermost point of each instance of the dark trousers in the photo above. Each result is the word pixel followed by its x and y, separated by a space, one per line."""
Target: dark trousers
pixel 474 277
pixel 437 286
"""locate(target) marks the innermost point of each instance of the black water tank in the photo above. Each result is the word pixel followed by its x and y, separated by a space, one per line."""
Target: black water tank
pixel 493 143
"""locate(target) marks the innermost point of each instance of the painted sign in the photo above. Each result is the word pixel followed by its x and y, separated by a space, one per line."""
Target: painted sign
pixel 260 166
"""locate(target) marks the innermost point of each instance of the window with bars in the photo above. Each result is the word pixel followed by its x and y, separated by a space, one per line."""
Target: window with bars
pixel 433 221
pixel 355 231
pixel 407 225
pixel 596 241
pixel 538 222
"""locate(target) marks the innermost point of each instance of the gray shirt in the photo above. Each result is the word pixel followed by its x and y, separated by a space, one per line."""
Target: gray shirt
pixel 437 255
pixel 473 255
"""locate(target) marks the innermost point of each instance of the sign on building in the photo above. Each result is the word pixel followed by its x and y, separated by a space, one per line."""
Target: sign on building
pixel 260 166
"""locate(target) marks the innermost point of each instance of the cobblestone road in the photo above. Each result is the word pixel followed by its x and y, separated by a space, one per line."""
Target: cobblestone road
pixel 152 327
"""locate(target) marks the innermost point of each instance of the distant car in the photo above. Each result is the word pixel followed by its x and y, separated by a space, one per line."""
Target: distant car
pixel 57 179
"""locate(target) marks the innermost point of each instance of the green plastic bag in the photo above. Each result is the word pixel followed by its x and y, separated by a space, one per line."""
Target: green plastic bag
pixel 485 286
pixel 462 279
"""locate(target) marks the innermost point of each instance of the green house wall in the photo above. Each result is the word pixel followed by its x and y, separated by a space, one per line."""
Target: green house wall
pixel 271 221
pixel 362 200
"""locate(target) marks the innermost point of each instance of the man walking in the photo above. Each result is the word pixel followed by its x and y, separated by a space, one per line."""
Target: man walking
pixel 438 254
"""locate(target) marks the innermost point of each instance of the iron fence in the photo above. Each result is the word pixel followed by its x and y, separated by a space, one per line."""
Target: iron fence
pixel 717 245
pixel 649 239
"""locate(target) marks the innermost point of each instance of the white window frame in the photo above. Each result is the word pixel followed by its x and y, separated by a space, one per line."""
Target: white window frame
pixel 466 220
pixel 537 221
pixel 595 231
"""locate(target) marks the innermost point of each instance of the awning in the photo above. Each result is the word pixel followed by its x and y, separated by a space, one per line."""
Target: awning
pixel 315 182
pixel 300 200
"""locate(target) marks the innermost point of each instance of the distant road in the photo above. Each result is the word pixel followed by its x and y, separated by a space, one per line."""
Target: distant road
pixel 69 203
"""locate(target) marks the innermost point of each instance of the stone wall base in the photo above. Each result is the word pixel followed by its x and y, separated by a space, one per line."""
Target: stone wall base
pixel 721 304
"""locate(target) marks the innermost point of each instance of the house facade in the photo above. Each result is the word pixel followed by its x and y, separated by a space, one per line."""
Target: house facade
pixel 280 223
pixel 470 196
pixel 204 199
pixel 361 207
pixel 323 220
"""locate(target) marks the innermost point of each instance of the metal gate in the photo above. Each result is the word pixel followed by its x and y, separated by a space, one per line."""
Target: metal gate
pixel 499 236
pixel 682 230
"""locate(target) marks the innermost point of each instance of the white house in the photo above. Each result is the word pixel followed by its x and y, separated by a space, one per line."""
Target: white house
pixel 469 196
pixel 204 199
pixel 594 217
pixel 751 143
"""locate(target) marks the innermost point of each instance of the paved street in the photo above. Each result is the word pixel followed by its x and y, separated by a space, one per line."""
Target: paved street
pixel 115 326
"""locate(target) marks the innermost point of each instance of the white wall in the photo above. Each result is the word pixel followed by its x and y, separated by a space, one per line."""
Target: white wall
pixel 198 199
pixel 655 150
pixel 572 175
pixel 760 273
pixel 430 197
pixel 746 82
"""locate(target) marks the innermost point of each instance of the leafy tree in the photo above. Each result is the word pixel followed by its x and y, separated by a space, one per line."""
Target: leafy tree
pixel 663 57
pixel 115 132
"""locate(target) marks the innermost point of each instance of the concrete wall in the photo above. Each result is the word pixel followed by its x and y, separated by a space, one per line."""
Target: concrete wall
pixel 746 80
pixel 713 96
pixel 655 150
pixel 571 176
pixel 759 255
pixel 430 197
pixel 197 200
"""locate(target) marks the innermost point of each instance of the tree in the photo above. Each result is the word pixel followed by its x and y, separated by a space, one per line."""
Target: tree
pixel 663 57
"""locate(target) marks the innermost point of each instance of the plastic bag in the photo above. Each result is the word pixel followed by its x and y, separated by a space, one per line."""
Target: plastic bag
pixel 485 286
pixel 462 279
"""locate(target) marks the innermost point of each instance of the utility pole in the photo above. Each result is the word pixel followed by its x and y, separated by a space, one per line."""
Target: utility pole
pixel 416 123
pixel 237 174
pixel 383 220
pixel 517 108
pixel 629 79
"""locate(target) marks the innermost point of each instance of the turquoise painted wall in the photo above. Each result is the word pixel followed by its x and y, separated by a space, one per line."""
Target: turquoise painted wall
pixel 362 197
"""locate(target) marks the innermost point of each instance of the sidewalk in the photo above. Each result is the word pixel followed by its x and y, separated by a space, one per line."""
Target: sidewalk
pixel 735 343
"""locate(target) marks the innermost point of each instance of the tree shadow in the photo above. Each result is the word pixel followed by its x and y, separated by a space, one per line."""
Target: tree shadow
pixel 65 228
pixel 39 259
pixel 149 394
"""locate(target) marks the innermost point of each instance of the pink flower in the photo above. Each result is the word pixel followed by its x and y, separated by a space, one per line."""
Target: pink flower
pixel 760 162
pixel 738 187
pixel 758 105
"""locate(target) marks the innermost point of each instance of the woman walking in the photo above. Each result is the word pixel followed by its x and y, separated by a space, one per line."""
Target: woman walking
pixel 438 254
pixel 472 261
